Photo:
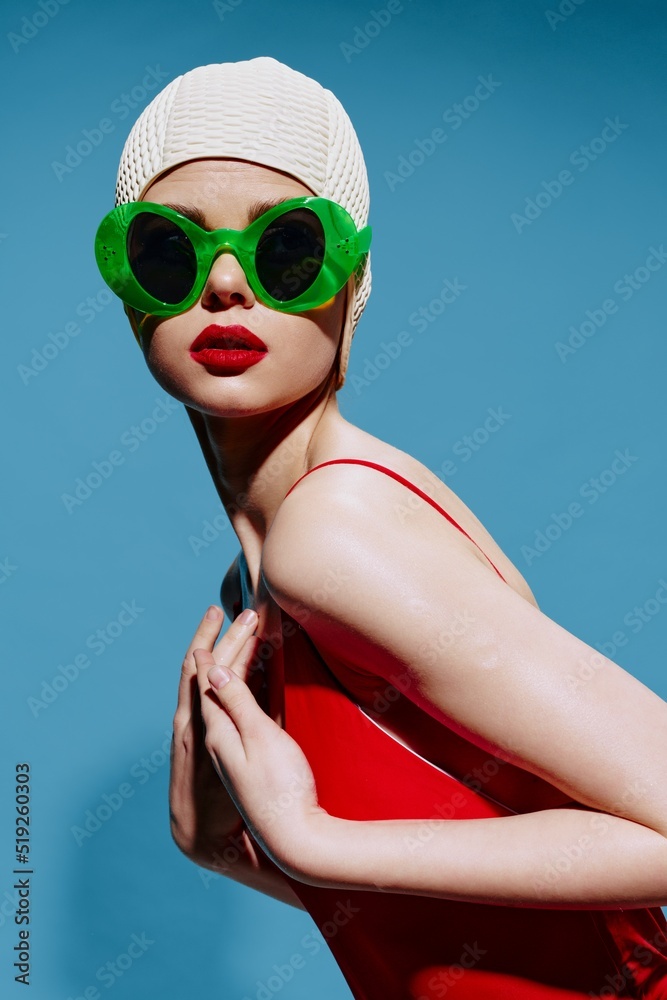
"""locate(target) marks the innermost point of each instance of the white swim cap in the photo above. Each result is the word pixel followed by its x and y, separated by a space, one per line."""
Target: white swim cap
pixel 263 111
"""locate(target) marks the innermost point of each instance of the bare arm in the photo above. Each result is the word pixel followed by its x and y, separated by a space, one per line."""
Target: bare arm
pixel 555 859
pixel 239 859
pixel 512 681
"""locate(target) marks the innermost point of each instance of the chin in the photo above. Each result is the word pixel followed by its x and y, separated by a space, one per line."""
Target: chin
pixel 235 395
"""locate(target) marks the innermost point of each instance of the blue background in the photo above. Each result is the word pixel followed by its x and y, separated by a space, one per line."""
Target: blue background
pixel 67 573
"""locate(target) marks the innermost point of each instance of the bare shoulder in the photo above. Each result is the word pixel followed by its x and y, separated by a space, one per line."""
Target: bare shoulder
pixel 339 508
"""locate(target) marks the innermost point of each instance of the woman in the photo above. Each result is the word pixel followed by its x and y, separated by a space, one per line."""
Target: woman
pixel 391 735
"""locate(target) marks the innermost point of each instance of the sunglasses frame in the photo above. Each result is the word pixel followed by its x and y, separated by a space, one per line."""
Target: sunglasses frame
pixel 345 252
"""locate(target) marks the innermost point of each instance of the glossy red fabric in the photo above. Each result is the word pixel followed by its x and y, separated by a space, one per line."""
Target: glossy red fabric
pixel 395 946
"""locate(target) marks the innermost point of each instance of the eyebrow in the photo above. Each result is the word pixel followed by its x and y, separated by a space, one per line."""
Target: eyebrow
pixel 256 209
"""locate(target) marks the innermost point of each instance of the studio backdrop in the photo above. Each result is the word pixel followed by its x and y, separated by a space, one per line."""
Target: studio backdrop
pixel 514 343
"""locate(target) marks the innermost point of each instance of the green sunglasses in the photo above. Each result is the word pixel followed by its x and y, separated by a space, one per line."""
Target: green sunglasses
pixel 296 256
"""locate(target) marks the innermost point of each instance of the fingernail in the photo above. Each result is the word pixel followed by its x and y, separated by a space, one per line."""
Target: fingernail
pixel 212 613
pixel 217 676
pixel 247 616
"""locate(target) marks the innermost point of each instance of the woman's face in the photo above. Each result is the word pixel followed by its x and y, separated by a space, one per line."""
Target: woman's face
pixel 301 347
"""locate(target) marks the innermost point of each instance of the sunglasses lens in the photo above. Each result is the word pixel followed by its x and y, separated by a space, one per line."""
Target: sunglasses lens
pixel 289 254
pixel 161 257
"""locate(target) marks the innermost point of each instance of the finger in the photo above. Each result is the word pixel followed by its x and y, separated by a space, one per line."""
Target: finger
pixel 227 651
pixel 231 649
pixel 222 738
pixel 231 692
pixel 205 635
pixel 204 638
pixel 244 661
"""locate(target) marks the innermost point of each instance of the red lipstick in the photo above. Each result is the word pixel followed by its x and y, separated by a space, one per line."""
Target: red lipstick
pixel 226 350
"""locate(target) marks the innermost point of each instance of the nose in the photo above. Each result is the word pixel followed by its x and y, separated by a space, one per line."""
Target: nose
pixel 226 285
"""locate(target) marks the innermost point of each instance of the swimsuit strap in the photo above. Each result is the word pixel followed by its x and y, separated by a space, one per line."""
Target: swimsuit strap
pixel 405 482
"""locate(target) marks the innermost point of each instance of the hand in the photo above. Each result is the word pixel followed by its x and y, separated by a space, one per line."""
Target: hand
pixel 264 770
pixel 201 812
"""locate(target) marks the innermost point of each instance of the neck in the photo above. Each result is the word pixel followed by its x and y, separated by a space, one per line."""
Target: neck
pixel 254 460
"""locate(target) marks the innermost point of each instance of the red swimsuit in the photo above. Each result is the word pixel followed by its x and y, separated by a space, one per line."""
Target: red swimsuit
pixel 396 946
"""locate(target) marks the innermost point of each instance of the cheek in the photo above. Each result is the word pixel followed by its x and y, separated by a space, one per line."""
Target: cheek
pixel 329 317
pixel 166 355
pixel 314 343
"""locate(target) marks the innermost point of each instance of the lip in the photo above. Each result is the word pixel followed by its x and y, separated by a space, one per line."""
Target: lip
pixel 232 337
pixel 227 349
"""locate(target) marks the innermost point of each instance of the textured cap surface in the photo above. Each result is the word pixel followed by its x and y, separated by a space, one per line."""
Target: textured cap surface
pixel 263 111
